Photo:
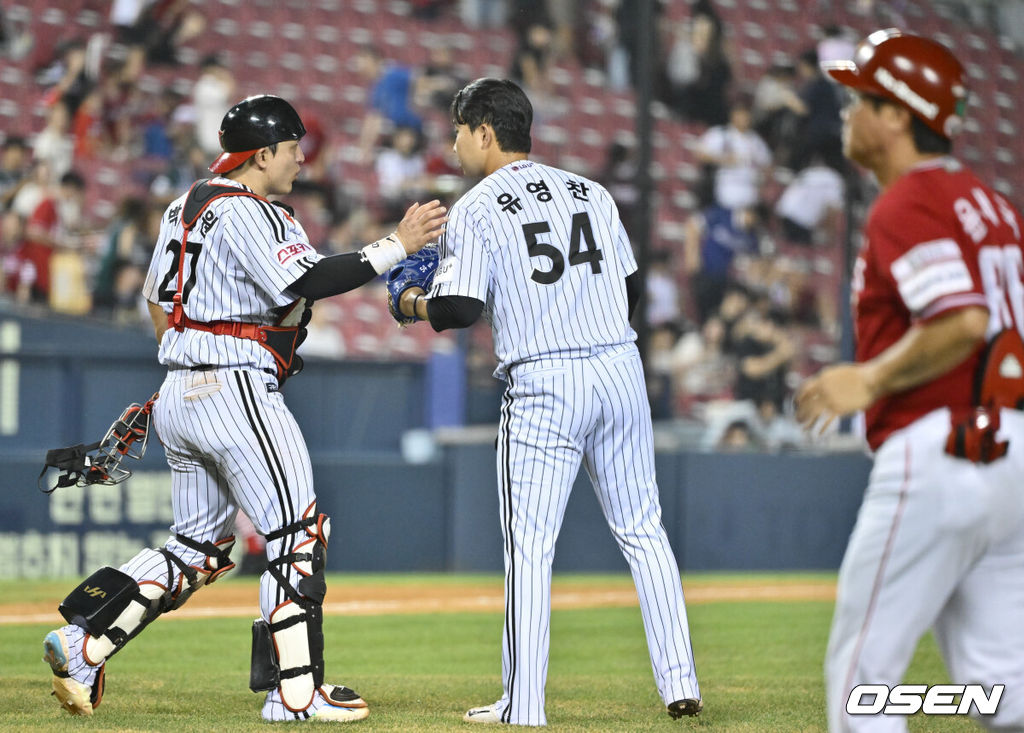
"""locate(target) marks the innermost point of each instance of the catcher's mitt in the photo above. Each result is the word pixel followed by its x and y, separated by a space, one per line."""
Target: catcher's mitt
pixel 416 270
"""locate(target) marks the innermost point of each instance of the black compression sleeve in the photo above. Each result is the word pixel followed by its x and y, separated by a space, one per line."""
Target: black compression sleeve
pixel 633 285
pixel 453 311
pixel 334 275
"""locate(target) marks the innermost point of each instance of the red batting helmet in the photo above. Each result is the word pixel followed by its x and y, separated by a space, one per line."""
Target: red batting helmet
pixel 914 72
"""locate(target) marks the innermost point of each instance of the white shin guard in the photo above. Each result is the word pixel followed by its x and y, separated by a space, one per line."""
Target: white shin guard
pixel 113 606
pixel 288 647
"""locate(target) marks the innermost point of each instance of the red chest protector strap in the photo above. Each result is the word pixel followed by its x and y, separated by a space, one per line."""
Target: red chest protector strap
pixel 281 339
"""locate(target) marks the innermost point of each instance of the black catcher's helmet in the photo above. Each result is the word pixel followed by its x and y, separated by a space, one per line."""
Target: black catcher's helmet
pixel 255 123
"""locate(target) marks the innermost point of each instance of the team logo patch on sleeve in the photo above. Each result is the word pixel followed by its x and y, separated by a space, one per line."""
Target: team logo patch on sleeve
pixel 445 271
pixel 288 252
pixel 929 271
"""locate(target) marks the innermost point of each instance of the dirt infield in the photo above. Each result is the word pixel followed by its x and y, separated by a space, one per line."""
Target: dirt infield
pixel 358 598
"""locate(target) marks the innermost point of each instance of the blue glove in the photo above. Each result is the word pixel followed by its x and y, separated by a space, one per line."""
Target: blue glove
pixel 416 270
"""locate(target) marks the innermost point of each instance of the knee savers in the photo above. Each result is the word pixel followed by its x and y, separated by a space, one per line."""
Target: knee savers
pixel 113 607
pixel 288 652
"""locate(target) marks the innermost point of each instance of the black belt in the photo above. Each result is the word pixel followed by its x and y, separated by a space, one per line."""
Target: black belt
pixel 210 368
pixel 196 368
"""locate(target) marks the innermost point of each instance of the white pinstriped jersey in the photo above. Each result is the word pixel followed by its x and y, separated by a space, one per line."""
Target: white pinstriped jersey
pixel 545 251
pixel 240 259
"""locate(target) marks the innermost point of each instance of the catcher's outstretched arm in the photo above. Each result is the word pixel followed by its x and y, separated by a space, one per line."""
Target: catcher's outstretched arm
pixel 334 275
pixel 338 274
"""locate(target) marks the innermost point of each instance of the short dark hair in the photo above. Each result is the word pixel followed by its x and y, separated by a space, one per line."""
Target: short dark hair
pixel 501 104
pixel 368 49
pixel 926 140
pixel 810 57
pixel 735 286
pixel 73 179
pixel 211 59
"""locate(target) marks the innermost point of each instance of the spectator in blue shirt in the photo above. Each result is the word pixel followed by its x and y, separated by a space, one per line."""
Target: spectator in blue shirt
pixel 714 237
pixel 390 100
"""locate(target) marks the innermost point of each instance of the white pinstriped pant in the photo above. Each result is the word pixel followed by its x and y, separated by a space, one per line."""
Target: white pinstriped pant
pixel 557 414
pixel 938 544
pixel 231 442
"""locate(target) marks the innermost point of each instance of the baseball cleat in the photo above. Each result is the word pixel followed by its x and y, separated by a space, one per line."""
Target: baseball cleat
pixel 76 698
pixel 331 704
pixel 685 708
pixel 342 696
pixel 332 714
pixel 483 714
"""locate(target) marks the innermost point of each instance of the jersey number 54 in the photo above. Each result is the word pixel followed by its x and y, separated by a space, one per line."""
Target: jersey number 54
pixel 582 248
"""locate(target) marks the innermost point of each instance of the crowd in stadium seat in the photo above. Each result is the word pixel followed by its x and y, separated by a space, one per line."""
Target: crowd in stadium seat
pixel 109 111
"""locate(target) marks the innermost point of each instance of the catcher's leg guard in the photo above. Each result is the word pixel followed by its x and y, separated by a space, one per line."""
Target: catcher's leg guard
pixel 288 648
pixel 113 607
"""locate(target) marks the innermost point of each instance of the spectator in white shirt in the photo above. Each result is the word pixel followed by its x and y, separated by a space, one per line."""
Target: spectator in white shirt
pixel 662 291
pixel 741 158
pixel 401 171
pixel 810 203
pixel 835 45
pixel 212 96
pixel 53 145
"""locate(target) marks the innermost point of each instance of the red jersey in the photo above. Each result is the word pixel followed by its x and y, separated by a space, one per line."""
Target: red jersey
pixel 936 240
pixel 45 217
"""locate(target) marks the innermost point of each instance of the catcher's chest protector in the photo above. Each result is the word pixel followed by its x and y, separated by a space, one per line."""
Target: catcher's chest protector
pixel 281 339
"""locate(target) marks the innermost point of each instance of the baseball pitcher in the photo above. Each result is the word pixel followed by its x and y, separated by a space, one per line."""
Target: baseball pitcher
pixel 541 252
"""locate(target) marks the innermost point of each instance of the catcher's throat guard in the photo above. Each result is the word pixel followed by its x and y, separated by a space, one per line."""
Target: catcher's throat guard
pixel 100 462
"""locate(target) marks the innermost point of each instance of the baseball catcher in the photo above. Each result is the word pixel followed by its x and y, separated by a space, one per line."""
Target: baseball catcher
pixel 228 291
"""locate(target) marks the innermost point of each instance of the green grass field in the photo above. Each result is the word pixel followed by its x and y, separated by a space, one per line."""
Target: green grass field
pixel 760 667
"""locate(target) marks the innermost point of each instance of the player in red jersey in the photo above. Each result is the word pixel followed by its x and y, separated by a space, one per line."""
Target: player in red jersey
pixel 939 311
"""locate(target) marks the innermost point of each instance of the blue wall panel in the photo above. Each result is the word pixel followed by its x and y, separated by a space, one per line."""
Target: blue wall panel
pixel 385 515
pixel 472 489
pixel 749 511
pixel 740 512
pixel 356 407
pixel 728 513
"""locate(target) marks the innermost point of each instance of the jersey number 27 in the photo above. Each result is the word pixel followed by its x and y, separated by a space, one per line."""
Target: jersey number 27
pixel 169 288
pixel 580 233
